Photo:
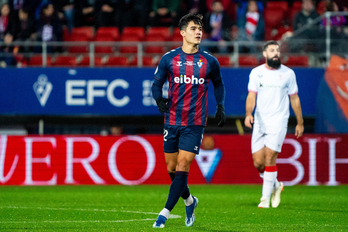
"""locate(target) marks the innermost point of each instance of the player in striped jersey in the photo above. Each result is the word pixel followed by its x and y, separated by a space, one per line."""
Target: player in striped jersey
pixel 188 70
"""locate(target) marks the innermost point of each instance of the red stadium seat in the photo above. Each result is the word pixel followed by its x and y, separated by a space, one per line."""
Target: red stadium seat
pixel 158 48
pixel 98 61
pixel 321 7
pixel 65 61
pixel 295 61
pixel 224 60
pixel 134 31
pixel 283 5
pixel 78 37
pixel 147 61
pixel 104 49
pixel 113 32
pixel 155 32
pixel 127 48
pixel 273 18
pixel 37 61
pixel 248 61
pixel 88 31
pixel 116 61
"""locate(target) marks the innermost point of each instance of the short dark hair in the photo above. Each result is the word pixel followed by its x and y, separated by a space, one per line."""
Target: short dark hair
pixel 186 19
pixel 271 42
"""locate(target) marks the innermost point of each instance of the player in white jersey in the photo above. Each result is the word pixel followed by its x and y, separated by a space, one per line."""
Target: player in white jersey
pixel 270 86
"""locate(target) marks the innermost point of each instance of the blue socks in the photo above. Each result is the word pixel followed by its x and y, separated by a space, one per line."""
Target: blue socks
pixel 186 192
pixel 177 188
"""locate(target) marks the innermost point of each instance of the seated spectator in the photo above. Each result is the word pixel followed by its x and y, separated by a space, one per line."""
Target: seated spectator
pixel 66 11
pixel 197 6
pixel 48 27
pixel 107 13
pixel 217 25
pixel 85 13
pixel 5 25
pixel 251 26
pixel 335 20
pixel 24 28
pixel 135 13
pixel 7 57
pixel 164 13
pixel 306 15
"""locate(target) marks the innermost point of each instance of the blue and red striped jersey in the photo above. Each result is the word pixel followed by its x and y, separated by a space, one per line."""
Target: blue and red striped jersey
pixel 188 76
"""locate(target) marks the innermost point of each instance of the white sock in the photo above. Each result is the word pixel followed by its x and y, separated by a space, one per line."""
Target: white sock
pixel 270 175
pixel 276 182
pixel 165 212
pixel 189 200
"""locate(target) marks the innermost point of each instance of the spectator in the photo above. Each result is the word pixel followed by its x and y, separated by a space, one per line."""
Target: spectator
pixel 24 28
pixel 135 13
pixel 335 20
pixel 7 58
pixel 164 13
pixel 85 13
pixel 197 6
pixel 65 10
pixel 48 27
pixel 107 13
pixel 251 26
pixel 217 25
pixel 4 21
pixel 306 15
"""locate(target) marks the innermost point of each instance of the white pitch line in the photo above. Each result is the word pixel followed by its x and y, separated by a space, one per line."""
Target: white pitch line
pixel 94 210
pixel 130 220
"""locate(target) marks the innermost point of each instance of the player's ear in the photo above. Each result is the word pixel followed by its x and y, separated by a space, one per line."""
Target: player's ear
pixel 182 32
pixel 264 54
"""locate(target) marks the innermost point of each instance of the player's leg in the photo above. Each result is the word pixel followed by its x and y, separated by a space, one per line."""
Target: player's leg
pixel 258 149
pixel 171 161
pixel 259 160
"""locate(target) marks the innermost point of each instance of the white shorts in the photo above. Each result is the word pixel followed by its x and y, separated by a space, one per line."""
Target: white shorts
pixel 272 138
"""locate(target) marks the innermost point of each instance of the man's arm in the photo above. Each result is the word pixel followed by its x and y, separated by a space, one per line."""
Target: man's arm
pixel 296 106
pixel 249 108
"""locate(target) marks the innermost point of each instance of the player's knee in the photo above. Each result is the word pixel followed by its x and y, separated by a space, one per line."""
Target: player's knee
pixel 183 166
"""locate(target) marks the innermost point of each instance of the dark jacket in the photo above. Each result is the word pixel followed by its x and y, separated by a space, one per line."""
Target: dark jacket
pixel 301 19
pixel 225 27
pixel 259 34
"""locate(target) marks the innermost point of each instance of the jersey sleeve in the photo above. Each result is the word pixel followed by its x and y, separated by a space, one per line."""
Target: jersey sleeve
pixel 216 79
pixel 292 88
pixel 160 78
pixel 252 85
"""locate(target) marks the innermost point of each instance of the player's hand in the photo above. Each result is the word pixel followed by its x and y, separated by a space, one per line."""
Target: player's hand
pixel 162 105
pixel 249 120
pixel 299 130
pixel 220 114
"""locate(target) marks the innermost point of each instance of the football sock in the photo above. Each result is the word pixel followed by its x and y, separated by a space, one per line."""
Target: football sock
pixel 189 200
pixel 269 176
pixel 276 182
pixel 165 212
pixel 186 194
pixel 176 189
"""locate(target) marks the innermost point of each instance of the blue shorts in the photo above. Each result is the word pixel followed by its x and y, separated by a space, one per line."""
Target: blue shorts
pixel 187 138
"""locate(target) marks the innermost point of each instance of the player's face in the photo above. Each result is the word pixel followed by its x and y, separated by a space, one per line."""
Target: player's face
pixel 193 33
pixel 272 56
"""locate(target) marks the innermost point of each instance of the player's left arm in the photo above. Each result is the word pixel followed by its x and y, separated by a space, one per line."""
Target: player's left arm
pixel 219 92
pixel 296 106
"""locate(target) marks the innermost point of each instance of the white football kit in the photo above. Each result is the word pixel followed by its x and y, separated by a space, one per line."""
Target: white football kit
pixel 272 105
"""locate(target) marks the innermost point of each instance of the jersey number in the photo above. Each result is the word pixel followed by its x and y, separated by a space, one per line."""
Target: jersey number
pixel 165 133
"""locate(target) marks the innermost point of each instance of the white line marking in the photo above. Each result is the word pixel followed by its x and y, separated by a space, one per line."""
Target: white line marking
pixel 130 220
pixel 94 210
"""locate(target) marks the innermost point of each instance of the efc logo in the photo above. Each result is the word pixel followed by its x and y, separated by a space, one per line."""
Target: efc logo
pixel 187 80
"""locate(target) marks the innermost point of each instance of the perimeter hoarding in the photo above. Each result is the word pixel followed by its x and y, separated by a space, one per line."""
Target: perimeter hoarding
pixel 133 160
pixel 119 91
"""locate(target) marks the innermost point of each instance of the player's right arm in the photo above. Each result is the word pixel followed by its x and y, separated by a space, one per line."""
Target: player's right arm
pixel 160 78
pixel 249 108
pixel 251 99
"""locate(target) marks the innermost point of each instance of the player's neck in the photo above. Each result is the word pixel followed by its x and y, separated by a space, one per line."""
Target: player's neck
pixel 190 48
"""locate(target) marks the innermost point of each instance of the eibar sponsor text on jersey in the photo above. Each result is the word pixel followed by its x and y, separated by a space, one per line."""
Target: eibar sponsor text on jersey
pixel 188 80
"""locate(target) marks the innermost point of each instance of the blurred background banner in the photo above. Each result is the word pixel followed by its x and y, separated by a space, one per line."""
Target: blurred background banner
pixel 120 91
pixel 332 98
pixel 313 159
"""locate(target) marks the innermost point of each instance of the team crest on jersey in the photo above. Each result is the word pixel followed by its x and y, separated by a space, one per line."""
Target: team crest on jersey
pixel 200 63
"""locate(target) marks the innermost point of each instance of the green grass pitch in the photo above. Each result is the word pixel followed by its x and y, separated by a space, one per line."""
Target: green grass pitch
pixel 135 208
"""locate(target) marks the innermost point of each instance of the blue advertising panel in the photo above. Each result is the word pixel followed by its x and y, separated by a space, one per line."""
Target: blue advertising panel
pixel 118 91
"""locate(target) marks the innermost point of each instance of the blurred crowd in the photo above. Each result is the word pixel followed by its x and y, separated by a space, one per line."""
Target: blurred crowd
pixel 44 20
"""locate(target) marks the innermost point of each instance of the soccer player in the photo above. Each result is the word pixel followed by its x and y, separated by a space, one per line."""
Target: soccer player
pixel 188 70
pixel 269 86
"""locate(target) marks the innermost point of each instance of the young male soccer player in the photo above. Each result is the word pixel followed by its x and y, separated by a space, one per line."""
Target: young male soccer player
pixel 188 70
pixel 271 83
